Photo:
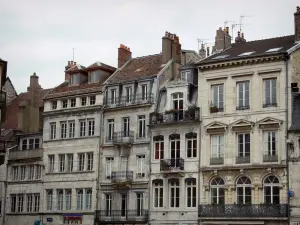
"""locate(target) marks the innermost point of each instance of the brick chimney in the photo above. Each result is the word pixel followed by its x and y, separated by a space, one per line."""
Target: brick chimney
pixel 202 52
pixel 68 66
pixel 124 54
pixel 240 38
pixel 222 39
pixel 176 49
pixel 171 48
pixel 297 24
pixel 34 83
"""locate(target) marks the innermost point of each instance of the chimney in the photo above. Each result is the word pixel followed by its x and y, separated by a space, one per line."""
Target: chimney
pixel 70 64
pixel 222 39
pixel 176 49
pixel 207 51
pixel 166 47
pixel 239 38
pixel 202 52
pixel 124 54
pixel 34 83
pixel 297 24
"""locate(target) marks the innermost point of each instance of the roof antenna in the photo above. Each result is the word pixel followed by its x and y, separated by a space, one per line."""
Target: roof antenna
pixel 200 41
pixel 241 21
pixel 73 54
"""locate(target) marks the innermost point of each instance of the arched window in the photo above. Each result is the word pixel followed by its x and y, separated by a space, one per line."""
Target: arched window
pixel 158 190
pixel 217 191
pixel 243 190
pixel 174 193
pixel 79 199
pixel 191 192
pixel 60 199
pixel 271 190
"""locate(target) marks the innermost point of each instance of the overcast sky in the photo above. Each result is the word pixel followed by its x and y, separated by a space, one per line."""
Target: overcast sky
pixel 38 36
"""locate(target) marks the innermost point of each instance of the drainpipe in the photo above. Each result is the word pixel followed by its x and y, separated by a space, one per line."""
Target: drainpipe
pixel 199 166
pixel 286 59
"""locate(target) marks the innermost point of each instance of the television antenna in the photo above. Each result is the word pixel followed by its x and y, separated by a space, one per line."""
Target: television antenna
pixel 226 22
pixel 199 40
pixel 73 54
pixel 241 21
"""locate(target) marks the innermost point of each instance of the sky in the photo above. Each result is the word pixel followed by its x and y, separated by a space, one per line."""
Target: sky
pixel 39 36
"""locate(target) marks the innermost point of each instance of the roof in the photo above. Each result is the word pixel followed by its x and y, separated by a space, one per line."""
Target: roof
pixel 295 113
pixel 252 49
pixel 100 65
pixel 145 67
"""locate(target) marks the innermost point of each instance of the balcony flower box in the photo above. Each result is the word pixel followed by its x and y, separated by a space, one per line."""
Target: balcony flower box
pixel 213 109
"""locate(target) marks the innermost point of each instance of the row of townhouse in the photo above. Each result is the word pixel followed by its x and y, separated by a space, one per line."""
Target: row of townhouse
pixel 169 138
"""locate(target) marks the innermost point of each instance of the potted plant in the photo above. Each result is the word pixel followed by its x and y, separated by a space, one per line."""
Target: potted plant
pixel 213 108
pixel 191 111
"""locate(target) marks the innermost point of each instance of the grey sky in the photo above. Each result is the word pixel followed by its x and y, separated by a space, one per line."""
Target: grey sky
pixel 38 36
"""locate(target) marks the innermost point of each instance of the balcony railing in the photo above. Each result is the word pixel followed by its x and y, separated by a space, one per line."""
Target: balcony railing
pixel 172 164
pixel 121 216
pixel 123 137
pixel 216 160
pixel 125 101
pixel 122 176
pixel 270 158
pixel 25 154
pixel 244 210
pixel 175 116
pixel 242 159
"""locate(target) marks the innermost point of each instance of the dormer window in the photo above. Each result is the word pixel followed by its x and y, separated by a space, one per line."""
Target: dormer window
pixel 128 94
pixel 186 76
pixel 54 105
pixel 95 76
pixel 92 100
pixel 144 92
pixel 113 94
pixel 30 143
pixel 64 104
pixel 83 101
pixel 73 102
pixel 75 79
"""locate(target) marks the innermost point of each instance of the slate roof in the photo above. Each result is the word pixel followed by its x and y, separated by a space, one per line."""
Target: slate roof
pixel 100 65
pixel 295 113
pixel 259 47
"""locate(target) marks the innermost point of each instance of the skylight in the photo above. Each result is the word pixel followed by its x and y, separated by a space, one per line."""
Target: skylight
pixel 220 57
pixel 246 53
pixel 273 50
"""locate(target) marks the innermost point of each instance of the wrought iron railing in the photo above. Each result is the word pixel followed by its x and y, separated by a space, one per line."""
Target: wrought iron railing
pixel 123 137
pixel 121 176
pixel 175 116
pixel 242 159
pixel 132 216
pixel 129 101
pixel 171 164
pixel 244 210
pixel 270 158
pixel 25 154
pixel 216 160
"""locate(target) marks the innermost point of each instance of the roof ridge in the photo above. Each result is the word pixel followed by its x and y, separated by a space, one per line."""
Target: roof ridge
pixel 286 36
pixel 157 54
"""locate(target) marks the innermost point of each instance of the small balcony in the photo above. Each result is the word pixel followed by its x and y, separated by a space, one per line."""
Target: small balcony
pixel 270 158
pixel 25 154
pixel 125 101
pixel 172 165
pixel 122 177
pixel 2 99
pixel 242 159
pixel 216 161
pixel 123 138
pixel 244 210
pixel 175 116
pixel 122 216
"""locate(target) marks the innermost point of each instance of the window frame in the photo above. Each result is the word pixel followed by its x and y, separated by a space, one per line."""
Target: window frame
pixel 194 147
pixel 243 85
pixel 191 193
pixel 272 102
pixel 141 126
pixel 220 187
pixel 174 188
pixel 220 101
pixel 158 194
pixel 243 186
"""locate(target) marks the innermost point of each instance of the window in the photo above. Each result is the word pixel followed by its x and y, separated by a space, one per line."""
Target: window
pixel 36 143
pixel 174 193
pixel 142 126
pixel 31 143
pixel 175 151
pixel 110 129
pixel 13 203
pixel 217 191
pixel 144 92
pixel 71 129
pixel 29 202
pixel 191 142
pixel 95 76
pixel 73 102
pixel 217 97
pixel 80 161
pixel 91 124
pixel 75 79
pixel 92 100
pixel 52 131
pixel 60 199
pixel 83 101
pixel 38 172
pixel 20 203
pixel 68 199
pixel 159 147
pixel 113 95
pixel 49 199
pixel 108 202
pixel 124 164
pixel 31 173
pixel 63 129
pixel 270 92
pixel 243 190
pixel 69 162
pixel 36 202
pixel 79 199
pixel 88 199
pixel 244 145
pixel 139 204
pixel 15 171
pixel 24 144
pixel 82 128
pixel 191 193
pixel 128 94
pixel 186 76
pixel 51 163
pixel 54 105
pixel 22 172
pixel 140 173
pixel 61 163
pixel 90 157
pixel 243 95
pixel 178 105
pixel 270 140
pixel 64 103
pixel 123 205
pixel 108 167
pixel 271 190
pixel 217 146
pixel 126 126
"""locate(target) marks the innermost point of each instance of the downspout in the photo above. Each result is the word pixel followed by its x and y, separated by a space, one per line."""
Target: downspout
pixel 286 58
pixel 199 158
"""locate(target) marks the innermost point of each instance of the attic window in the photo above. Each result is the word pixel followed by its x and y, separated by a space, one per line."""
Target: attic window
pixel 220 57
pixel 273 50
pixel 75 79
pixel 95 76
pixel 246 53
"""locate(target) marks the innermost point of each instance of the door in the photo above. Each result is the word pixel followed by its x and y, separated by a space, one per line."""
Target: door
pixel 123 205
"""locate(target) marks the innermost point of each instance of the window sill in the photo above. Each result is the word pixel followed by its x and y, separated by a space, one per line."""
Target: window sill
pixel 71 172
pixel 70 139
pixel 24 181
pixel 270 105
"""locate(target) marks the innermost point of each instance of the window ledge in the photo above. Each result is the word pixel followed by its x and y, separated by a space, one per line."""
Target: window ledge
pixel 72 172
pixel 70 139
pixel 24 181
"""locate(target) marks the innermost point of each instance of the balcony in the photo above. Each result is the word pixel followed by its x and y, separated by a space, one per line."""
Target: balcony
pixel 244 210
pixel 2 99
pixel 172 165
pixel 122 177
pixel 242 159
pixel 122 216
pixel 216 161
pixel 25 154
pixel 270 158
pixel 133 101
pixel 175 116
pixel 123 138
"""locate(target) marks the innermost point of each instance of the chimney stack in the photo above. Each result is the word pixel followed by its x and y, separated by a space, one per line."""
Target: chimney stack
pixel 124 54
pixel 239 38
pixel 222 39
pixel 34 83
pixel 171 48
pixel 208 52
pixel 70 64
pixel 202 52
pixel 297 24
